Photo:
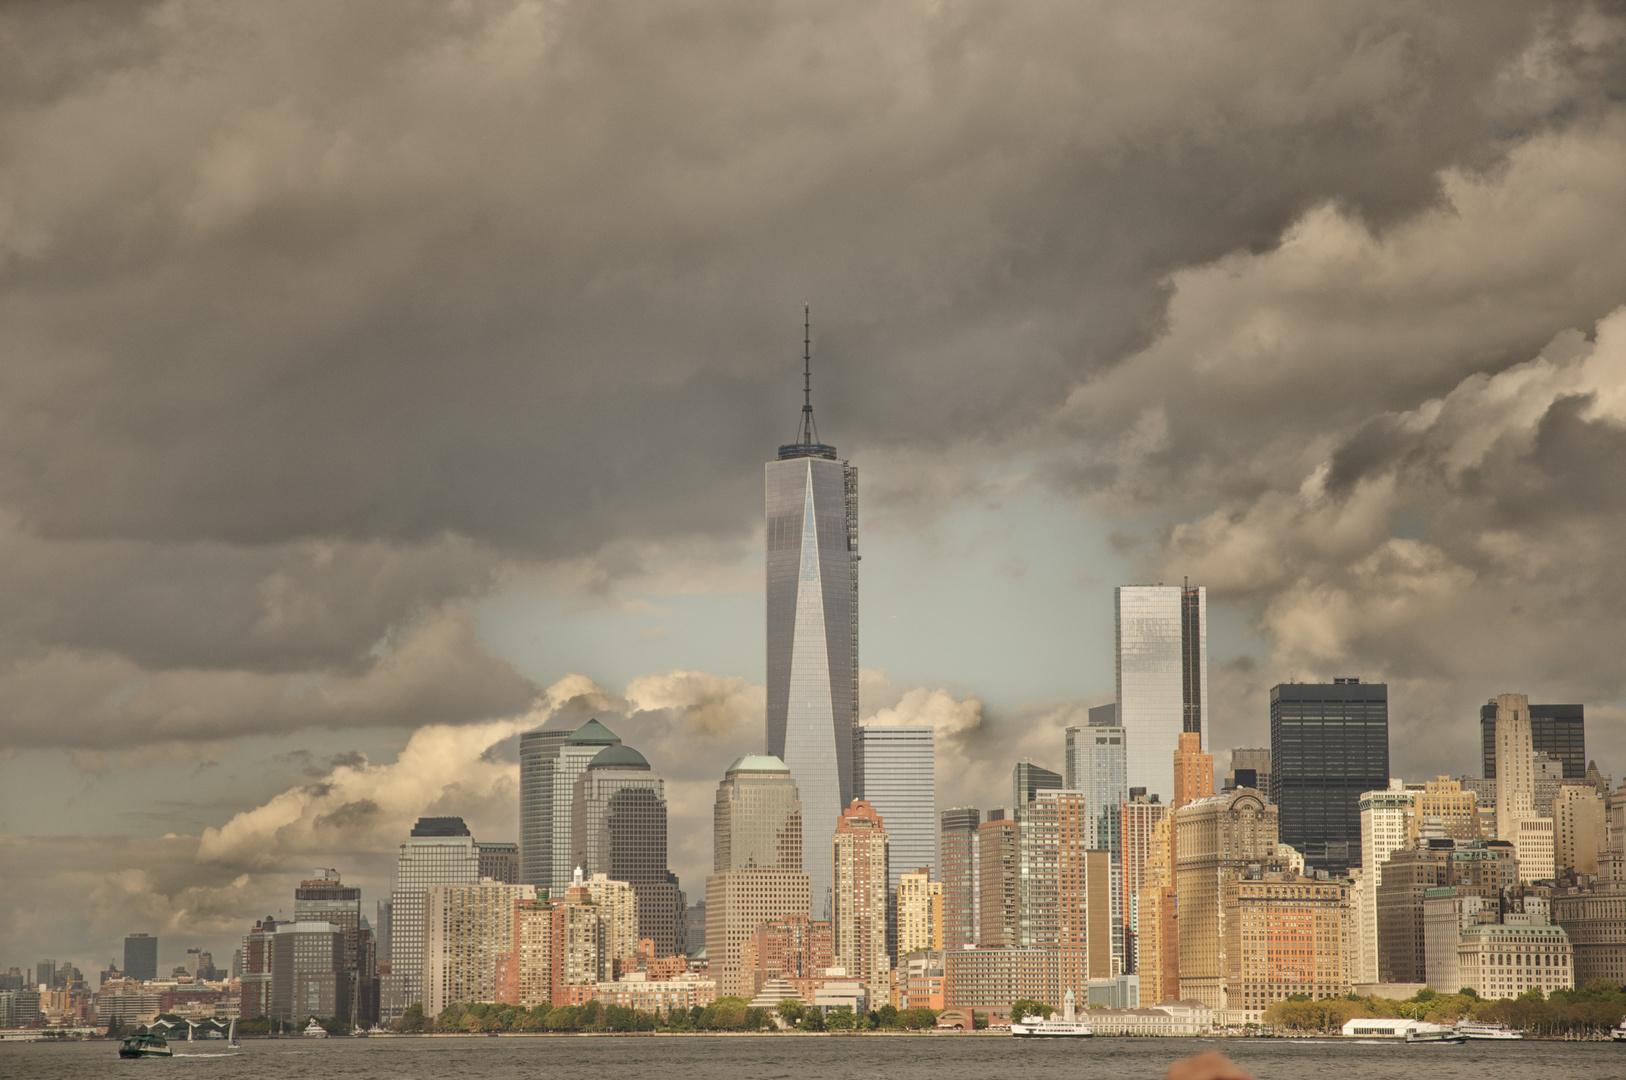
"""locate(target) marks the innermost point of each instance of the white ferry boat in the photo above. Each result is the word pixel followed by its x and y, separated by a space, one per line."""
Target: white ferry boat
pixel 1619 1033
pixel 1434 1033
pixel 313 1030
pixel 1482 1029
pixel 1069 1026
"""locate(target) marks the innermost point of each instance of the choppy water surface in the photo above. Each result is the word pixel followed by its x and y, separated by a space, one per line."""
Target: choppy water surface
pixel 918 1057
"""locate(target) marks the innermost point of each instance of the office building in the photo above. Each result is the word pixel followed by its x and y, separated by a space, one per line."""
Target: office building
pixel 1027 780
pixel 618 828
pixel 1161 650
pixel 1594 918
pixel 1406 877
pixel 1535 847
pixel 499 861
pixel 439 851
pixel 466 928
pixel 1329 743
pixel 997 916
pixel 328 899
pixel 859 858
pixel 1251 764
pixel 958 852
pixel 1443 808
pixel 893 771
pixel 811 505
pixel 1504 961
pixel 1514 765
pixel 1385 829
pixel 1096 765
pixel 757 874
pixel 920 912
pixel 308 976
pixel 1556 730
pixel 1193 770
pixel 1285 934
pixel 1578 828
pixel 538 754
pixel 141 957
pixel 1214 837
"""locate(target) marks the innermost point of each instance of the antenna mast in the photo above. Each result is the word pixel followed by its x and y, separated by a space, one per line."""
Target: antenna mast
pixel 809 434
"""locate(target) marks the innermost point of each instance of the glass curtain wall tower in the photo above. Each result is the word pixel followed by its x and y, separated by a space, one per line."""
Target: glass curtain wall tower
pixel 812 626
pixel 1162 677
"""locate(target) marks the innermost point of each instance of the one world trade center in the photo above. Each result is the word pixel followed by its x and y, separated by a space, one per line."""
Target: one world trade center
pixel 812 593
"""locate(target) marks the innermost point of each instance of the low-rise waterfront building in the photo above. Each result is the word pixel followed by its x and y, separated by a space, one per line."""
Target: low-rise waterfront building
pixel 1503 961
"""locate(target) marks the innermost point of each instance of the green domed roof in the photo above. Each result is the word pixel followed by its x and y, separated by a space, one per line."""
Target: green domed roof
pixel 758 763
pixel 593 732
pixel 618 757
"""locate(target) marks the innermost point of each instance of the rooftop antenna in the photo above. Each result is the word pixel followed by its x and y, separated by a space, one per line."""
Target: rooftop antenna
pixel 808 434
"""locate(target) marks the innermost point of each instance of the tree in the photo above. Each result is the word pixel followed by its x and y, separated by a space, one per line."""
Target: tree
pixel 813 1020
pixel 1025 1007
pixel 412 1019
pixel 563 1018
pixel 791 1010
pixel 841 1018
pixel 885 1017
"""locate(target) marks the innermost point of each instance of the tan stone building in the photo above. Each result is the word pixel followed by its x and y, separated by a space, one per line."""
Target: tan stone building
pixel 1594 918
pixel 1157 944
pixel 1503 961
pixel 1137 819
pixel 1444 808
pixel 920 912
pixel 1578 828
pixel 1285 934
pixel 757 873
pixel 1214 837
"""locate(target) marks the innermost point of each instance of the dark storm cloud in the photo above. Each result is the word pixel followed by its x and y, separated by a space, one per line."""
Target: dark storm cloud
pixel 528 272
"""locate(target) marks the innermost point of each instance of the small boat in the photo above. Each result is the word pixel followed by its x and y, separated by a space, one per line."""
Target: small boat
pixel 313 1030
pixel 231 1036
pixel 1619 1033
pixel 1068 1026
pixel 1484 1029
pixel 142 1046
pixel 1434 1033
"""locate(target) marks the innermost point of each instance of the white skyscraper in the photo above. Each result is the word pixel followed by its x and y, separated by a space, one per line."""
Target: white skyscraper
pixel 440 851
pixel 1162 677
pixel 1385 824
pixel 812 626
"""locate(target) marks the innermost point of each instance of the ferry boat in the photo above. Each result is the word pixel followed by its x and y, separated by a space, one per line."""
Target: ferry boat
pixel 1483 1029
pixel 142 1046
pixel 313 1030
pixel 1069 1026
pixel 1619 1033
pixel 1434 1033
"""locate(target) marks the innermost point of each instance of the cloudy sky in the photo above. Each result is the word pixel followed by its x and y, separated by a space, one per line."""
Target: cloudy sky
pixel 380 379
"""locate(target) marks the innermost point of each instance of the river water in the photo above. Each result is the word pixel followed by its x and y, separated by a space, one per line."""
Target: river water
pixel 873 1057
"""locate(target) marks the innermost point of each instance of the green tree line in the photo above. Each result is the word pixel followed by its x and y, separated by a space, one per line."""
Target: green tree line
pixel 724 1014
pixel 1590 1010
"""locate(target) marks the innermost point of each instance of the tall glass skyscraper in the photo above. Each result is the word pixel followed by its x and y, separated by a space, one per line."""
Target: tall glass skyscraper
pixel 1559 730
pixel 538 753
pixel 894 770
pixel 1096 765
pixel 618 827
pixel 812 624
pixel 1162 677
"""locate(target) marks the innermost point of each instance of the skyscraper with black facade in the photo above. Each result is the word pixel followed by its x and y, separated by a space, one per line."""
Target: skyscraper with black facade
pixel 1328 743
pixel 1558 730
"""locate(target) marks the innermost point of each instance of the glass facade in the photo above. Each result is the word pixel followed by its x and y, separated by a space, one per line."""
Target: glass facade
pixel 618 828
pixel 1097 766
pixel 894 771
pixel 575 753
pixel 812 639
pixel 1162 677
pixel 538 751
pixel 1558 730
pixel 958 852
pixel 141 957
pixel 1027 780
pixel 1329 744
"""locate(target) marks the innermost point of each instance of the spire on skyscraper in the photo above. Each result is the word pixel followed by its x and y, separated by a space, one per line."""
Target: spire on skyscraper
pixel 807 434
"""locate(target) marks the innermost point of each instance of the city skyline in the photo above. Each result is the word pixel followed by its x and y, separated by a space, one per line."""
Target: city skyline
pixel 351 427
